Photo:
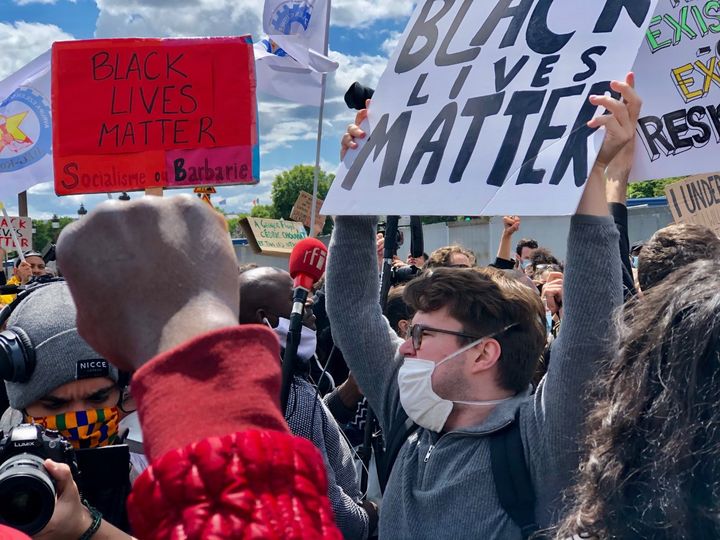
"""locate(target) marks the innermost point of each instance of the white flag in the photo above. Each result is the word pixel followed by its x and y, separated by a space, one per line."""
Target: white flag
pixel 25 128
pixel 291 61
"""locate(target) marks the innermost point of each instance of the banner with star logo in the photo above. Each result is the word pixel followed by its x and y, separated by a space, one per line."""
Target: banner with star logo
pixel 25 128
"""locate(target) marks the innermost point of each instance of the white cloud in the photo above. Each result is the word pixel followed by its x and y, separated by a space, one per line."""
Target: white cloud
pixel 175 18
pixel 365 68
pixel 28 2
pixel 391 43
pixel 21 42
pixel 168 18
pixel 361 13
pixel 283 134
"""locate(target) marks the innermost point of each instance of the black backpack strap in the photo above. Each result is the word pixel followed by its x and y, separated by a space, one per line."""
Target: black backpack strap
pixel 393 445
pixel 513 483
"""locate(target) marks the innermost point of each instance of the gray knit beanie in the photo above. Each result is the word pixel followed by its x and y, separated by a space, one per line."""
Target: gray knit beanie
pixel 47 316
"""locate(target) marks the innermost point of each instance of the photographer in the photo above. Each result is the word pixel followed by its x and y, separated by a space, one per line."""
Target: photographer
pixel 69 388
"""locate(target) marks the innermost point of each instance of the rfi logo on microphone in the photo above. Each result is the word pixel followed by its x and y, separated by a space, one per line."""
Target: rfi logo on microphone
pixel 315 258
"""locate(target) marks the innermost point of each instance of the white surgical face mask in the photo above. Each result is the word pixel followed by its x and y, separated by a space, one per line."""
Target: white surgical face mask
pixel 421 403
pixel 308 338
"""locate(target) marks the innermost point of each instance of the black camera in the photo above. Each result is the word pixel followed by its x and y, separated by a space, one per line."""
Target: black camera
pixel 382 229
pixel 403 274
pixel 27 491
pixel 357 95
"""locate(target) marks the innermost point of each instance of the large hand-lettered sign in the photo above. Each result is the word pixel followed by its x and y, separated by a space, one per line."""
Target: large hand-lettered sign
pixel 132 114
pixel 484 105
pixel 678 77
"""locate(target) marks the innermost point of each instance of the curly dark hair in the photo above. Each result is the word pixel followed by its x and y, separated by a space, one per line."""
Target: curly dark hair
pixel 673 247
pixel 653 443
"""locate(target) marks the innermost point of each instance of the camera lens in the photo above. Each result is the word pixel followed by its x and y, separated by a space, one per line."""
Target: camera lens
pixel 27 494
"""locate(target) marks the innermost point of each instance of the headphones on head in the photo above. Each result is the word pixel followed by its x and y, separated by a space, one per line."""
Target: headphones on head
pixel 17 353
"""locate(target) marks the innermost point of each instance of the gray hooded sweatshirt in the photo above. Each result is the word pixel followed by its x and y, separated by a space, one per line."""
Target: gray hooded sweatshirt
pixel 441 485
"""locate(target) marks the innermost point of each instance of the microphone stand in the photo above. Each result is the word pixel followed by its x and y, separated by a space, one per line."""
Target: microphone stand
pixel 291 347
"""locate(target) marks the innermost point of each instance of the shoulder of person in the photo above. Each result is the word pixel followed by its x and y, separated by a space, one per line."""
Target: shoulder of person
pixel 10 419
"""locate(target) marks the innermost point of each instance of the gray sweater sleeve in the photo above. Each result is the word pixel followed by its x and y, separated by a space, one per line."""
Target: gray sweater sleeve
pixel 592 291
pixel 310 419
pixel 359 328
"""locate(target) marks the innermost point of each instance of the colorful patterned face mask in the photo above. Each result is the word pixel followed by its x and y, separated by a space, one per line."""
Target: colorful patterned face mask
pixel 84 429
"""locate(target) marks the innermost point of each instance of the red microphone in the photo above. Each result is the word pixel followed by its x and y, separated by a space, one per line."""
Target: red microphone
pixel 307 265
pixel 307 262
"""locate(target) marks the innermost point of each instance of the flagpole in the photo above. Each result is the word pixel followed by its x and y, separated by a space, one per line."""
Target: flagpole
pixel 316 179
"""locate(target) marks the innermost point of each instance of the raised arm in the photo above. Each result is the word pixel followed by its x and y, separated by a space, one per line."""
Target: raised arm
pixel 359 328
pixel 617 175
pixel 592 292
pixel 504 259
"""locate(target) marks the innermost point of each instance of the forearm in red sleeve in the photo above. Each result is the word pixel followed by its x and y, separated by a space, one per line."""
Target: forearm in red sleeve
pixel 218 384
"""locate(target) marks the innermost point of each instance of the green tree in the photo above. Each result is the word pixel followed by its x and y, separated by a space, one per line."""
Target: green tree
pixel 46 234
pixel 651 188
pixel 288 185
pixel 266 211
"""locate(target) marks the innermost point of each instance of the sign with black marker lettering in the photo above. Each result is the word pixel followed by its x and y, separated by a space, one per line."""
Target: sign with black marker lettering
pixel 678 77
pixel 696 200
pixel 138 114
pixel 272 236
pixel 483 108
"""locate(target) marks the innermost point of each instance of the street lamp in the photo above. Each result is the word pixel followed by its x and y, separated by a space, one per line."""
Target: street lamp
pixel 55 224
pixel 124 196
pixel 81 210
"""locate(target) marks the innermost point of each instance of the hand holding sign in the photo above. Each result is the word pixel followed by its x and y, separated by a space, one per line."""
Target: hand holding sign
pixel 619 132
pixel 619 126
pixel 353 132
pixel 196 292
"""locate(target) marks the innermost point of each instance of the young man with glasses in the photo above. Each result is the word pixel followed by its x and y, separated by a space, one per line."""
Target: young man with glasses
pixel 464 373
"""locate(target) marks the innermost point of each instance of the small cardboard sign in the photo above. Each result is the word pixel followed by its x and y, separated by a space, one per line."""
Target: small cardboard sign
pixel 696 200
pixel 23 228
pixel 132 114
pixel 272 236
pixel 302 212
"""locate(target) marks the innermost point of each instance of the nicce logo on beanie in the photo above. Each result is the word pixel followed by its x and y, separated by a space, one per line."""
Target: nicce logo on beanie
pixel 88 369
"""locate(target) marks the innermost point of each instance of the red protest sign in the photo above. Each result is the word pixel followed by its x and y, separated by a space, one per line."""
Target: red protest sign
pixel 133 114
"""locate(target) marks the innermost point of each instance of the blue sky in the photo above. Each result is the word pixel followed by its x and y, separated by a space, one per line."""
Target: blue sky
pixel 362 35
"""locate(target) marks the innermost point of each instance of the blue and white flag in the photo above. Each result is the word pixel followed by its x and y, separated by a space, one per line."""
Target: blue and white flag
pixel 25 128
pixel 291 60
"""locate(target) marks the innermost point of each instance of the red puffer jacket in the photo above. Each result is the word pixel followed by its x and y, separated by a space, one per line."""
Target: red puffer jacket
pixel 224 464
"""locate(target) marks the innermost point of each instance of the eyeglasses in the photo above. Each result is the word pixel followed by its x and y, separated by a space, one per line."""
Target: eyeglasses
pixel 126 403
pixel 416 332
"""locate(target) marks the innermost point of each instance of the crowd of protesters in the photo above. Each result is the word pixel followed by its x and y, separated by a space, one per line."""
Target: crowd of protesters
pixel 530 398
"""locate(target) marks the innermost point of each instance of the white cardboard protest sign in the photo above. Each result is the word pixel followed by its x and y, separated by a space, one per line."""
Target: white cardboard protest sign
pixel 483 107
pixel 23 228
pixel 678 76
